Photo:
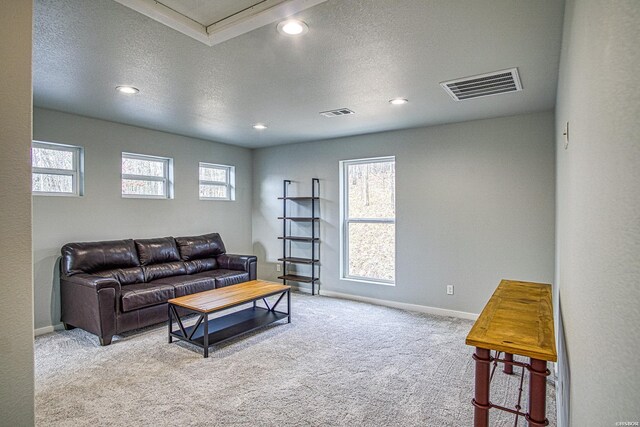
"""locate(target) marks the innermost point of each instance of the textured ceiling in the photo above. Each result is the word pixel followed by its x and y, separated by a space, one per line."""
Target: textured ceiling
pixel 207 12
pixel 357 54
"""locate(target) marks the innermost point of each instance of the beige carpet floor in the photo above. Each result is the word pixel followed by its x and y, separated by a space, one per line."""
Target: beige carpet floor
pixel 339 363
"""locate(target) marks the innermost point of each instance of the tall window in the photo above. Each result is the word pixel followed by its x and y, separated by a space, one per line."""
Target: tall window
pixel 56 169
pixel 147 176
pixel 369 219
pixel 217 182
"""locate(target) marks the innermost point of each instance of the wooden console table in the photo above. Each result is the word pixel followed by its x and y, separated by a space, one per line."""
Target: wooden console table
pixel 518 319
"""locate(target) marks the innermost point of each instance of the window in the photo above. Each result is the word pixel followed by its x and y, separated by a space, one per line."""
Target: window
pixel 217 182
pixel 369 220
pixel 147 176
pixel 56 169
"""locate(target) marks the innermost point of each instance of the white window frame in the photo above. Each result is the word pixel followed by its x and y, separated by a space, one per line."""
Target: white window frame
pixel 166 179
pixel 230 181
pixel 345 221
pixel 76 174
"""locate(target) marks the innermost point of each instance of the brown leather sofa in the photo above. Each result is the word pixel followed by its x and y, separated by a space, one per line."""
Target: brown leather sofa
pixel 110 287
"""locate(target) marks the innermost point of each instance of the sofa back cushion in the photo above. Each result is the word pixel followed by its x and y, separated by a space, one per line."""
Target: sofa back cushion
pixel 126 276
pixel 200 247
pixel 157 251
pixel 168 269
pixel 91 257
pixel 200 265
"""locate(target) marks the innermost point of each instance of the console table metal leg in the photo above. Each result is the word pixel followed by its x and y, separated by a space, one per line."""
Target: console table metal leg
pixel 481 400
pixel 206 335
pixel 508 368
pixel 537 393
pixel 289 306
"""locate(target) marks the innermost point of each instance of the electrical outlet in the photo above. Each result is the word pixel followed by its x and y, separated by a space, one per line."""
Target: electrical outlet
pixel 278 267
pixel 449 289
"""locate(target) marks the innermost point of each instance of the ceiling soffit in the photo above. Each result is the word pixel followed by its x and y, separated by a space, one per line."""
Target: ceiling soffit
pixel 185 17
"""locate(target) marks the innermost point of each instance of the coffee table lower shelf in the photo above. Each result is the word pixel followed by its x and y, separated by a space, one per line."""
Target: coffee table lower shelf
pixel 229 326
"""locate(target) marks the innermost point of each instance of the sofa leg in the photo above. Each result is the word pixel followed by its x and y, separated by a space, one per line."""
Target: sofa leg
pixel 105 340
pixel 68 327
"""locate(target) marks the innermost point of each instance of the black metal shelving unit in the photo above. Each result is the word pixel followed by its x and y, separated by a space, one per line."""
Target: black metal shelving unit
pixel 312 204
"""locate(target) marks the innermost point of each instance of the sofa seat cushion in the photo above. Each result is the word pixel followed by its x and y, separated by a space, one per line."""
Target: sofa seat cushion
pixel 225 277
pixel 145 294
pixel 187 285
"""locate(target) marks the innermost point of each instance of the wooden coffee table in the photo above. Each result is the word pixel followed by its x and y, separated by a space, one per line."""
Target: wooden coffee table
pixel 206 332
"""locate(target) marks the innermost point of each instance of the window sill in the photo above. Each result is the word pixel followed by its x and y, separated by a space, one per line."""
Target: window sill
pixel 56 194
pixel 131 196
pixel 369 282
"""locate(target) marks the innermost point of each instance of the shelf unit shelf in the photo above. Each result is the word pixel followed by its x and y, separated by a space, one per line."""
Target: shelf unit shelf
pixel 299 238
pixel 299 199
pixel 299 218
pixel 298 278
pixel 309 258
pixel 295 260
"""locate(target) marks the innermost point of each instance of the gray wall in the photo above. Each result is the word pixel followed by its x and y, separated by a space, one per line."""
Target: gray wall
pixel 475 203
pixel 598 211
pixel 16 303
pixel 103 214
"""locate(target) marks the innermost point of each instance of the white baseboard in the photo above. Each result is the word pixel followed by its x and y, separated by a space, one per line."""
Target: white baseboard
pixel 48 329
pixel 303 289
pixel 404 306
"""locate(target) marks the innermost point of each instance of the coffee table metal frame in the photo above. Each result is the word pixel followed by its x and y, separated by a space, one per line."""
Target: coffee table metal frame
pixel 207 332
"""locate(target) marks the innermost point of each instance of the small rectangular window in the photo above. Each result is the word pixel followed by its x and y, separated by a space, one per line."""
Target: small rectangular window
pixel 217 182
pixel 369 219
pixel 147 176
pixel 56 169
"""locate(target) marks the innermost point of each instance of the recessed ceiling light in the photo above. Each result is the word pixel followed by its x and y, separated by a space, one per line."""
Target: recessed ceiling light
pixel 292 27
pixel 260 126
pixel 127 89
pixel 398 101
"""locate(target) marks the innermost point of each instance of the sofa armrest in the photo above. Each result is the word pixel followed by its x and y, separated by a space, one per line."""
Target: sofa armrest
pixel 90 302
pixel 91 281
pixel 239 262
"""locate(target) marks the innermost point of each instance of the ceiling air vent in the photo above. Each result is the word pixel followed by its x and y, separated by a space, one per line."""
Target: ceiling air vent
pixel 338 112
pixel 483 85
